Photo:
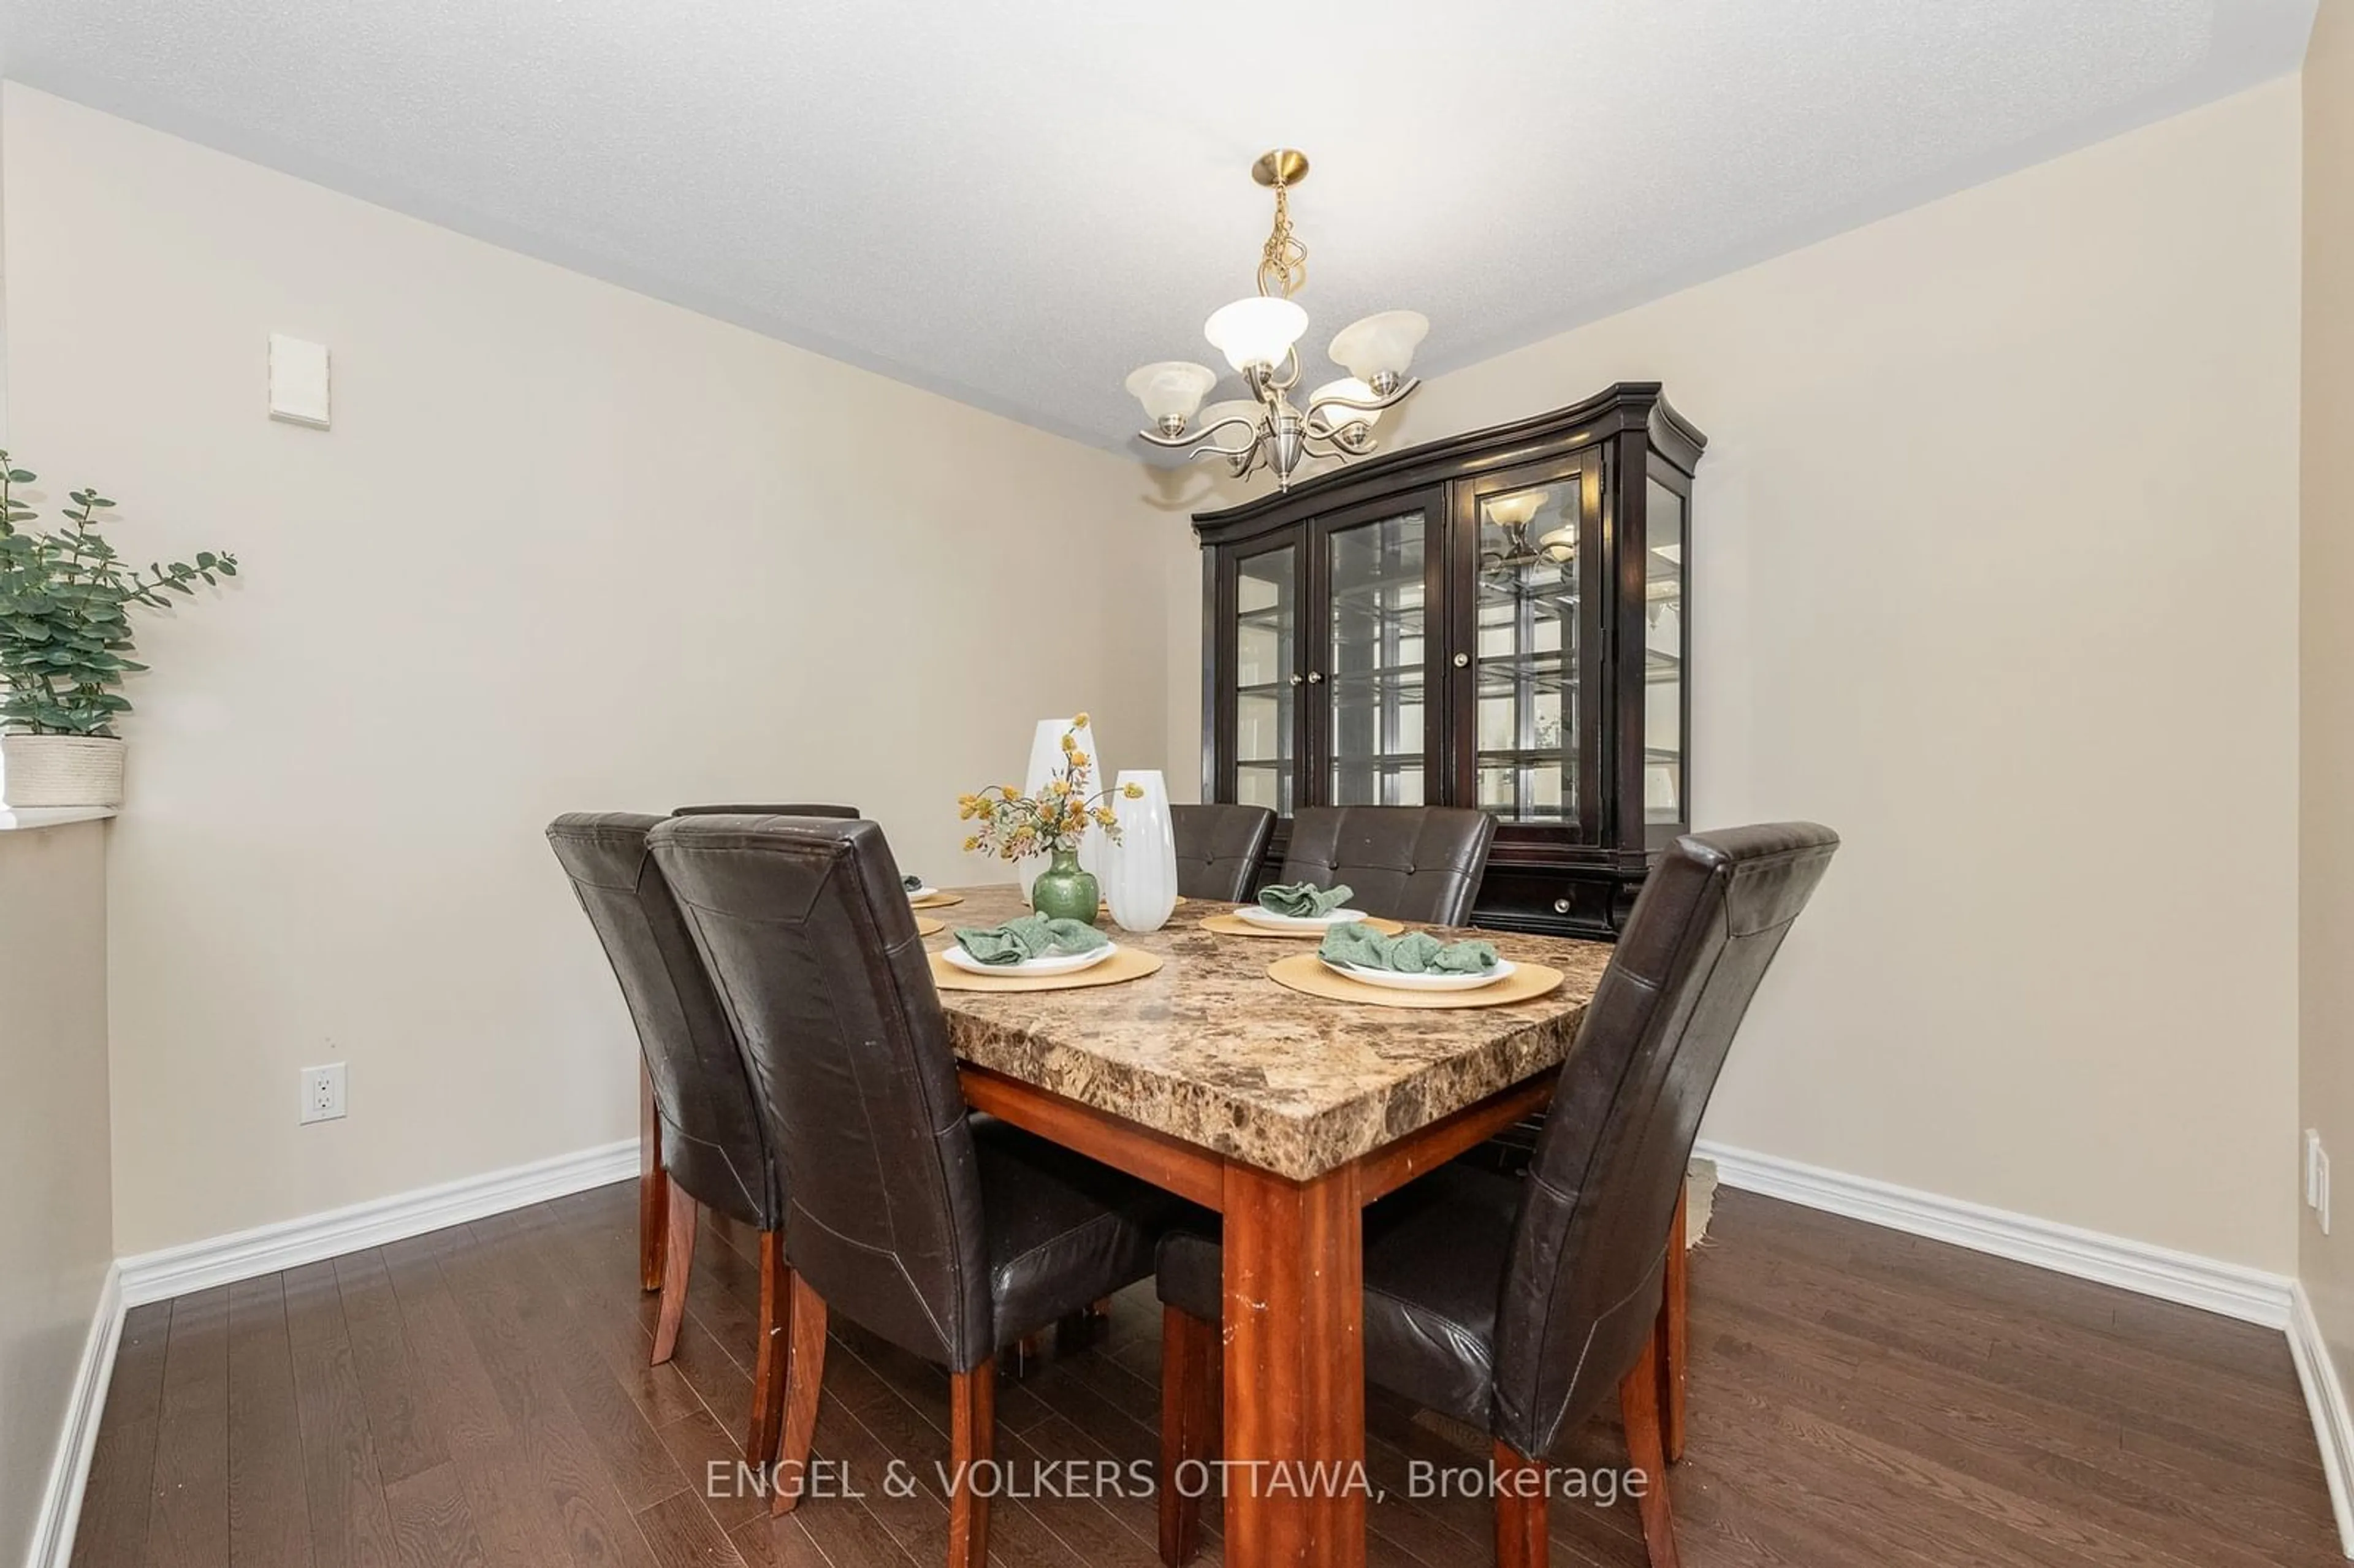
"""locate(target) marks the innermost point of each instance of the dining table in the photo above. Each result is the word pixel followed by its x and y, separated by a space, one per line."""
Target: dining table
pixel 1286 1114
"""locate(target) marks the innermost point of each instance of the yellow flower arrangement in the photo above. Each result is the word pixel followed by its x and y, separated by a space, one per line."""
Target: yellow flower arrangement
pixel 1013 825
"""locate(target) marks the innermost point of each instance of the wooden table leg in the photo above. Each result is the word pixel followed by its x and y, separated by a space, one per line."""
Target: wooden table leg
pixel 653 1186
pixel 1295 1372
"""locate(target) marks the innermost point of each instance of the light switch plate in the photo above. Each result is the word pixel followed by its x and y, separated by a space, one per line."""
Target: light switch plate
pixel 298 381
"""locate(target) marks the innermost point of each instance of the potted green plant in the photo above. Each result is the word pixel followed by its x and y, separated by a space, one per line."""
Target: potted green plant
pixel 1050 822
pixel 66 601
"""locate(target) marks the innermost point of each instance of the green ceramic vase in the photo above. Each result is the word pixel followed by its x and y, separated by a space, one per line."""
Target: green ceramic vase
pixel 1064 892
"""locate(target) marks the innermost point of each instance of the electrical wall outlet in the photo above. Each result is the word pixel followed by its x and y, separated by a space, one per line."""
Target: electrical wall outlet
pixel 323 1093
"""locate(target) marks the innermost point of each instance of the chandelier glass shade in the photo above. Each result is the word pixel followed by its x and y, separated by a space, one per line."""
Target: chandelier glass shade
pixel 1379 348
pixel 1255 333
pixel 1170 390
pixel 1259 336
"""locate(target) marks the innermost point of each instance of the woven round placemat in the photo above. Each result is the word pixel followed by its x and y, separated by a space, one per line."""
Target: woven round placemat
pixel 935 900
pixel 928 927
pixel 1230 925
pixel 1128 964
pixel 1306 972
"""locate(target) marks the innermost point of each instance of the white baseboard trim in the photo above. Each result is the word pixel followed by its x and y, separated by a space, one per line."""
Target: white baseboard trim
pixel 2232 1290
pixel 289 1244
pixel 2325 1397
pixel 60 1506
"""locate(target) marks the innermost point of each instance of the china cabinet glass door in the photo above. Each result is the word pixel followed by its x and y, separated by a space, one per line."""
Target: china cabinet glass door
pixel 1370 681
pixel 1532 637
pixel 1267 680
pixel 1665 648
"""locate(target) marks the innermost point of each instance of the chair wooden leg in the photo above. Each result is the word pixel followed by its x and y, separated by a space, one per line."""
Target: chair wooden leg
pixel 679 1224
pixel 653 1186
pixel 1639 1403
pixel 1520 1509
pixel 973 1448
pixel 1672 1333
pixel 770 1356
pixel 1190 1374
pixel 1099 1307
pixel 804 1380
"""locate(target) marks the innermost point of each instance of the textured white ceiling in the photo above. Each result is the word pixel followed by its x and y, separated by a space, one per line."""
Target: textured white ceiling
pixel 1014 203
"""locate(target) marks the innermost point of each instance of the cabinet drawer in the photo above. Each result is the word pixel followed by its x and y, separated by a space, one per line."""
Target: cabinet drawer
pixel 1553 903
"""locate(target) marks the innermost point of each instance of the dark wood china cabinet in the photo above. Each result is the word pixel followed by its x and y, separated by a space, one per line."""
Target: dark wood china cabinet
pixel 1497 619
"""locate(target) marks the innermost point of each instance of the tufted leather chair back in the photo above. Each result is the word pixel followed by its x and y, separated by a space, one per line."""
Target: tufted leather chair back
pixel 1583 1286
pixel 804 808
pixel 1219 849
pixel 1410 863
pixel 713 1142
pixel 807 933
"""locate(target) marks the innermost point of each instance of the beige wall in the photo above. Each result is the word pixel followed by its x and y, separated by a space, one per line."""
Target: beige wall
pixel 566 547
pixel 2326 1066
pixel 56 1227
pixel 1997 554
pixel 1995 570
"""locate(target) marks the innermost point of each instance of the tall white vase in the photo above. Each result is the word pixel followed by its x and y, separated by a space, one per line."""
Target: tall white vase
pixel 1045 756
pixel 1140 884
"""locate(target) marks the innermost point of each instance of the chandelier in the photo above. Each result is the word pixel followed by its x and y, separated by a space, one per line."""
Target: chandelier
pixel 1259 336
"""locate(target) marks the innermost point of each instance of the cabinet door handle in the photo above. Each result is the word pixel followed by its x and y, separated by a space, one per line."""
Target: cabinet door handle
pixel 1462 661
pixel 1560 905
pixel 1315 677
pixel 1295 680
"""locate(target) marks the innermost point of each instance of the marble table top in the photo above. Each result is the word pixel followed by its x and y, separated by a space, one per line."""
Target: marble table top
pixel 1211 1050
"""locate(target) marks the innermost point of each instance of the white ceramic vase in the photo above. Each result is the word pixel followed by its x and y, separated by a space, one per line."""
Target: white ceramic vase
pixel 1045 756
pixel 1140 882
pixel 61 771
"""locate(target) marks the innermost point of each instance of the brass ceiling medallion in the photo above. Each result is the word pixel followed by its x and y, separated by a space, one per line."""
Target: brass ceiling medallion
pixel 1259 336
pixel 1284 166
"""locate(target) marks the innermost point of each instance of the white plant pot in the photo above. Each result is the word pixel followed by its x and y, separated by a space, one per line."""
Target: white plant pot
pixel 61 771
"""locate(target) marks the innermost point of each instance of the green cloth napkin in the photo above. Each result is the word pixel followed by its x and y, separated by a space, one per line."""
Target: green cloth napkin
pixel 1030 936
pixel 1303 899
pixel 1359 947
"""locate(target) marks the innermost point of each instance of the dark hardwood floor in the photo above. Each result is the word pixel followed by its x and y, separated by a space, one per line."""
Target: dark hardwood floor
pixel 479 1397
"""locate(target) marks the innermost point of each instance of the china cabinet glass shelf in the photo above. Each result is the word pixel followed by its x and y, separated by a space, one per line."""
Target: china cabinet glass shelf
pixel 1494 620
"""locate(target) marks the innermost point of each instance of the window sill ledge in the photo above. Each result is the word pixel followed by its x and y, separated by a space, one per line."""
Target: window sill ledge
pixel 23 818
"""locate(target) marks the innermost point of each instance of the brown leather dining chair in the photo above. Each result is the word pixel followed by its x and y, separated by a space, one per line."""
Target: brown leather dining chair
pixel 800 809
pixel 950 1236
pixel 1409 862
pixel 1517 1305
pixel 714 1149
pixel 1219 848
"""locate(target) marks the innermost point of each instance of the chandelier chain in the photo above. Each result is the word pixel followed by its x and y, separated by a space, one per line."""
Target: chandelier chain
pixel 1284 260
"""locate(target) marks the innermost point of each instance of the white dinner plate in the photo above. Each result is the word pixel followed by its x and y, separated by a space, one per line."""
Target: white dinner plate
pixel 915 892
pixel 1393 980
pixel 1061 964
pixel 1258 915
